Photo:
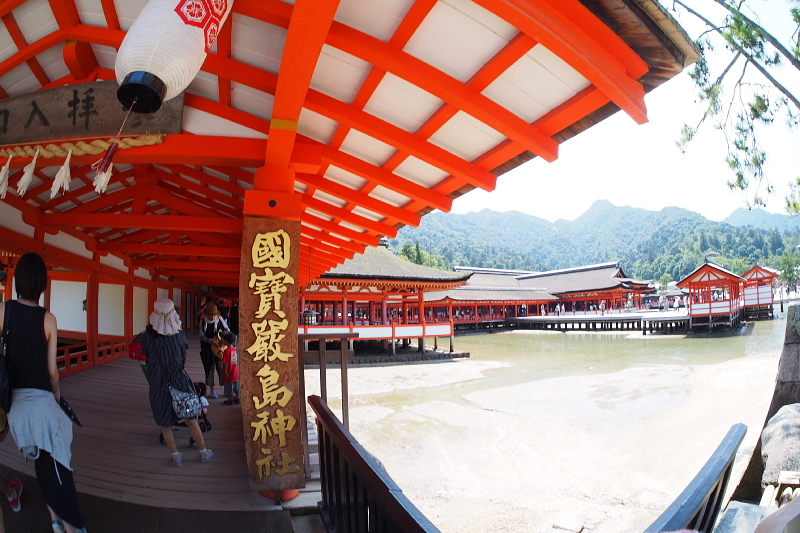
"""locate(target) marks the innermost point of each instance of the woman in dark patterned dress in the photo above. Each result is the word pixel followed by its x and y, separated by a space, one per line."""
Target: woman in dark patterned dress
pixel 165 344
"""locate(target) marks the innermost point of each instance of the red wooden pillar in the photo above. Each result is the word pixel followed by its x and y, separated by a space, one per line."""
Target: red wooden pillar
pixel 384 312
pixel 92 314
pixel 273 407
pixel 422 319
pixel 345 309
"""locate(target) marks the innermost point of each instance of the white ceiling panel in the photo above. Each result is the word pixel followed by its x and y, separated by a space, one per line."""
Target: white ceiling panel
pixel 401 103
pixel 343 177
pixel 127 11
pixel 106 55
pixel 389 196
pixel 367 148
pixel 330 199
pixel 35 20
pixel 379 19
pixel 339 74
pixel 255 102
pixel 20 81
pixel 458 37
pixel 202 123
pixel 316 126
pixel 7 46
pixel 539 82
pixel 352 227
pixel 92 13
pixel 257 43
pixel 420 172
pixel 300 187
pixel 366 213
pixel 317 214
pixel 52 61
pixel 466 136
pixel 206 85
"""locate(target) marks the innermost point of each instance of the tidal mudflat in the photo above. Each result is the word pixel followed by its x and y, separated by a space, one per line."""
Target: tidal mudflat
pixel 541 432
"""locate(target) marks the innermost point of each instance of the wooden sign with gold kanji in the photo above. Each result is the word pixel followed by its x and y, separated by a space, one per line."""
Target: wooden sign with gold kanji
pixel 268 357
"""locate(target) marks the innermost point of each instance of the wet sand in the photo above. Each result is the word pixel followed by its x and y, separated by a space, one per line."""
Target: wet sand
pixel 603 452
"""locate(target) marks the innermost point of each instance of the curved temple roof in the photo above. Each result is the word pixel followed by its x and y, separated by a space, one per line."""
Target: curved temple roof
pixel 400 106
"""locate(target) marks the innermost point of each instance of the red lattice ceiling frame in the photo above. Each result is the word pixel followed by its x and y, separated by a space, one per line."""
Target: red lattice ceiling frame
pixel 544 21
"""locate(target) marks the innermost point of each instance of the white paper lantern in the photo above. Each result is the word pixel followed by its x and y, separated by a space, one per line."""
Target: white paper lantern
pixel 165 48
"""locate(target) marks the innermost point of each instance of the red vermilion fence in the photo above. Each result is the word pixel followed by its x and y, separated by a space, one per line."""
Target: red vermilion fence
pixel 75 356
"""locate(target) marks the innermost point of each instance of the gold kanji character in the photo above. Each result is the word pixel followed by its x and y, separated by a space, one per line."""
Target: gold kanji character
pixel 286 465
pixel 268 338
pixel 265 465
pixel 278 425
pixel 263 429
pixel 271 393
pixel 282 424
pixel 272 249
pixel 269 288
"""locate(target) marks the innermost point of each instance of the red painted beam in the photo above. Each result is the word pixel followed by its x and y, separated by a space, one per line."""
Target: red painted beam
pixel 169 249
pixel 164 222
pixel 446 87
pixel 308 27
pixel 574 44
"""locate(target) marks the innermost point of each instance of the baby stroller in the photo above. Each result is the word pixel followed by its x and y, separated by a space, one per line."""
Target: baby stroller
pixel 202 418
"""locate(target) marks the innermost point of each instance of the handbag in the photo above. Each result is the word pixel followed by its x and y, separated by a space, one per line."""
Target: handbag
pixel 5 379
pixel 185 404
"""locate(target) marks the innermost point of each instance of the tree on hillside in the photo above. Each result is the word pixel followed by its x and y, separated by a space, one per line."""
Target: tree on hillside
pixel 743 77
pixel 789 266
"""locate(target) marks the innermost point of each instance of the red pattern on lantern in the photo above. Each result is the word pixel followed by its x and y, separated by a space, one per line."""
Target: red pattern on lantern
pixel 206 14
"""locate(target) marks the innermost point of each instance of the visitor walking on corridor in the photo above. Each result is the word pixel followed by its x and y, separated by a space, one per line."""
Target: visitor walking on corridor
pixel 210 327
pixel 42 431
pixel 164 343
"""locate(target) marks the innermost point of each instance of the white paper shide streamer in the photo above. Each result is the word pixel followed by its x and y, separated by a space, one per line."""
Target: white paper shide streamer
pixel 101 180
pixel 62 179
pixel 165 48
pixel 27 175
pixel 4 177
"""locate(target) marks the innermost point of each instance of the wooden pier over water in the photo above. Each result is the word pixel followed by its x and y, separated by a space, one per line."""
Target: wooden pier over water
pixel 663 323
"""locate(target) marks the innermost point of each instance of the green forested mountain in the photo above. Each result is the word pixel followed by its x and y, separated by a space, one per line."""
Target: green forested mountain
pixel 759 218
pixel 650 244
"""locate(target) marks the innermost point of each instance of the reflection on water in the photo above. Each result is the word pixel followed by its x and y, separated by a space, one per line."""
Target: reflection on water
pixel 525 356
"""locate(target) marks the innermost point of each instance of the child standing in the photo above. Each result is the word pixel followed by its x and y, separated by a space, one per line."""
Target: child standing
pixel 230 368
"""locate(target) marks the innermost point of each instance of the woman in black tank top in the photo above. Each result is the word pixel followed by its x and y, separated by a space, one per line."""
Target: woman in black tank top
pixel 40 428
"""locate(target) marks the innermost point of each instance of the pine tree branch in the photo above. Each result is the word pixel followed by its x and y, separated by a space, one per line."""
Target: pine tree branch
pixel 791 97
pixel 767 35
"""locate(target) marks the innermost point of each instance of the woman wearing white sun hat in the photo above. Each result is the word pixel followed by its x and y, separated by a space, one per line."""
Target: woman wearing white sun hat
pixel 164 343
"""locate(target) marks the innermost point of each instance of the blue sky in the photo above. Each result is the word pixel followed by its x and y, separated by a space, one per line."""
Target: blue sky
pixel 640 166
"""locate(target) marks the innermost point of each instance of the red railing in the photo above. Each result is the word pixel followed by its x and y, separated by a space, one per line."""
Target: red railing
pixel 75 356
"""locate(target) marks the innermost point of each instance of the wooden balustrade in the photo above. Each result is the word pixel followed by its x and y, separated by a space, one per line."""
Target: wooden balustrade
pixel 699 504
pixel 358 495
pixel 75 356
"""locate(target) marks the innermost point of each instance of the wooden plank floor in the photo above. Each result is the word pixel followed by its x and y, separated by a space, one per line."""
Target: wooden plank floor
pixel 117 454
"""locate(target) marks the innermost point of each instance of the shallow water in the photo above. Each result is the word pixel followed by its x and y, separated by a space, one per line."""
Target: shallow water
pixel 526 356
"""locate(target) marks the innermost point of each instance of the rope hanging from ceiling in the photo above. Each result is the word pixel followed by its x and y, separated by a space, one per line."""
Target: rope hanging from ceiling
pixel 80 148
